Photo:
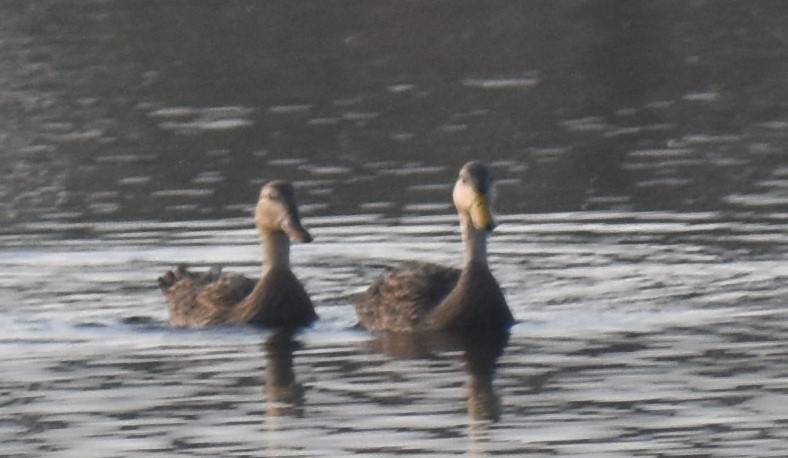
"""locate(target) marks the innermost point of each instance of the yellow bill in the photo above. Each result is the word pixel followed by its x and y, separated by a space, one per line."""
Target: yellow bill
pixel 481 217
pixel 292 226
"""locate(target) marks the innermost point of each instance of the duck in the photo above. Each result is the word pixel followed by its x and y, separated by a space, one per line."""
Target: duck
pixel 419 296
pixel 277 299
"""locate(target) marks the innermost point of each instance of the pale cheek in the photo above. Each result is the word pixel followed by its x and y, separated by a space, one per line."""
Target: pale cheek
pixel 462 197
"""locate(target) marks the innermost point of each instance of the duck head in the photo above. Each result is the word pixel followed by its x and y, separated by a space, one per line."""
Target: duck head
pixel 277 212
pixel 474 194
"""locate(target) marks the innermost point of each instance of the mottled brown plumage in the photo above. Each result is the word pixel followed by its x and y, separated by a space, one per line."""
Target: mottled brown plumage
pixel 421 296
pixel 399 298
pixel 277 299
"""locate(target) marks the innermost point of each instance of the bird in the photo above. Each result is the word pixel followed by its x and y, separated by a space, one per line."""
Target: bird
pixel 277 299
pixel 418 296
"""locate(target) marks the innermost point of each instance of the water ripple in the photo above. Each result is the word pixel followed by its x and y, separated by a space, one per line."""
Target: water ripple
pixel 638 335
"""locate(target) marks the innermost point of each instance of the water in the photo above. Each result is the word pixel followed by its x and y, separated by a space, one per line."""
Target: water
pixel 640 153
pixel 638 335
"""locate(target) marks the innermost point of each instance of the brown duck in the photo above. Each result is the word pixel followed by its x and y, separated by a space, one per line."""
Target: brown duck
pixel 278 299
pixel 429 297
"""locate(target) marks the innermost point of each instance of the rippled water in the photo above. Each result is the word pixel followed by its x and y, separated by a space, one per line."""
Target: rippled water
pixel 639 335
pixel 639 149
pixel 178 111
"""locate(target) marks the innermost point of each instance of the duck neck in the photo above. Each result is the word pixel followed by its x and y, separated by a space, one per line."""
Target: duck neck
pixel 475 242
pixel 276 250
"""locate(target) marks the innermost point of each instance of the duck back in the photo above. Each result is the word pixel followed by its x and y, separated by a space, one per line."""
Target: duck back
pixel 403 296
pixel 202 299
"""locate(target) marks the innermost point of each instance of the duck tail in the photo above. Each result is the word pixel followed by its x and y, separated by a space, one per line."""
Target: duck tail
pixel 172 276
pixel 167 280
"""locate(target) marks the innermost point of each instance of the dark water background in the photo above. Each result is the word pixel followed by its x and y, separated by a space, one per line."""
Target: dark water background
pixel 641 151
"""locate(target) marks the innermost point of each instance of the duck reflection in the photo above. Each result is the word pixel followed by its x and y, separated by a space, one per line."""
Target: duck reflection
pixel 480 352
pixel 283 393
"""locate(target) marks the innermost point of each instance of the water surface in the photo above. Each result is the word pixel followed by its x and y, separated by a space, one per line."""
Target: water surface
pixel 638 335
pixel 639 148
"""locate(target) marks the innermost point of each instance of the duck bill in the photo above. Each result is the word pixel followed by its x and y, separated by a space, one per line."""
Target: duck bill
pixel 295 230
pixel 481 216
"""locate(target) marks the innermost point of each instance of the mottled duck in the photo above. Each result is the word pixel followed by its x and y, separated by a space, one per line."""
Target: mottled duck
pixel 429 297
pixel 277 299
